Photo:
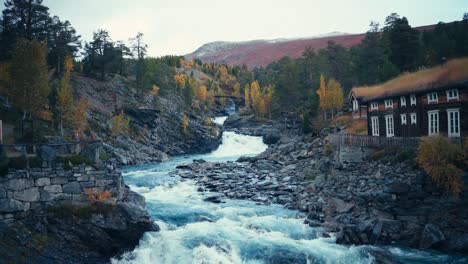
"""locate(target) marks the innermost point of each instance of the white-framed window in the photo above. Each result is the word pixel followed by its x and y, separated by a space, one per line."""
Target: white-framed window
pixel 433 119
pixel 375 125
pixel 402 101
pixel 452 94
pixel 453 117
pixel 432 98
pixel 374 106
pixel 403 119
pixel 389 126
pixel 389 103
pixel 413 99
pixel 355 105
pixel 413 118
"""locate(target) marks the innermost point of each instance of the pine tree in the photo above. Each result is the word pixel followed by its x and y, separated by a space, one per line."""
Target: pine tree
pixel 29 79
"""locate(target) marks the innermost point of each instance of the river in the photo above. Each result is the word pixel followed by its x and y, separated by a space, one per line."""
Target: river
pixel 241 231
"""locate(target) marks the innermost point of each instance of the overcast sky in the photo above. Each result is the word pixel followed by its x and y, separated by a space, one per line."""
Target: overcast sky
pixel 181 26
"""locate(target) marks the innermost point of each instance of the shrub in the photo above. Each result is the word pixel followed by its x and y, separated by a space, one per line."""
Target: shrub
pixel 95 196
pixel 443 161
pixel 103 155
pixel 328 149
pixel 120 124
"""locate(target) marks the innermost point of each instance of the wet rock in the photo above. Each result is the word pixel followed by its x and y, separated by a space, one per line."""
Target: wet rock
pixel 213 199
pixel 204 219
pixel 431 236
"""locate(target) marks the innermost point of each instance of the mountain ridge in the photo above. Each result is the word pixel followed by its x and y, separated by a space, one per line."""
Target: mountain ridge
pixel 261 52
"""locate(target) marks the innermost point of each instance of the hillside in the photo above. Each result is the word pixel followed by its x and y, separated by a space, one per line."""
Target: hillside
pixel 259 53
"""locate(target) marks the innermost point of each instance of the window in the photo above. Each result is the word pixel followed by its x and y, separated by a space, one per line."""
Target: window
pixel 433 119
pixel 403 119
pixel 453 116
pixel 432 98
pixel 355 105
pixel 413 99
pixel 374 106
pixel 452 94
pixel 375 125
pixel 388 103
pixel 413 118
pixel 389 125
pixel 403 101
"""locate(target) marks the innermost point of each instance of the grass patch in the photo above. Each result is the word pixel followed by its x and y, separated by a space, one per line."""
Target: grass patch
pixel 352 125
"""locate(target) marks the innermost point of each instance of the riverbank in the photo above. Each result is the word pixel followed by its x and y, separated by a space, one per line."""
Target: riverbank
pixel 378 201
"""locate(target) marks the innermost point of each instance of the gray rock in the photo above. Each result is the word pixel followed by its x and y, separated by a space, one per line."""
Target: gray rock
pixel 59 180
pixel 203 218
pixel 28 195
pixel 19 184
pixel 431 237
pixel 10 206
pixel 72 187
pixel 53 188
pixel 42 182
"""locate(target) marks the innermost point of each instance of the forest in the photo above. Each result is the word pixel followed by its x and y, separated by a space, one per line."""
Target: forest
pixel 39 52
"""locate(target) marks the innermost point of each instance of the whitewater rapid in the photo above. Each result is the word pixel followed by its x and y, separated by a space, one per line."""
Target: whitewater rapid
pixel 237 231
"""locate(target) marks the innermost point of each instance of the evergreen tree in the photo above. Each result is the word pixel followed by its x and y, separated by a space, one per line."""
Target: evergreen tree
pixel 29 79
pixel 27 19
pixel 403 42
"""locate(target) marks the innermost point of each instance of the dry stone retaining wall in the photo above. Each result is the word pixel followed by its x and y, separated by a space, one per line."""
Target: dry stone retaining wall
pixel 22 191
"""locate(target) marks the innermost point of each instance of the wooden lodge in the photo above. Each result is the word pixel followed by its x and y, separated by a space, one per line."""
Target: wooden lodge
pixel 428 102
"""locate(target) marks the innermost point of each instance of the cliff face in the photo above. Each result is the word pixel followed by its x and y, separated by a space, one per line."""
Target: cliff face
pixel 48 217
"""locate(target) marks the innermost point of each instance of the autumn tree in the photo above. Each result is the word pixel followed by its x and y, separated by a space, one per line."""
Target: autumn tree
pixel 201 93
pixel 65 96
pixel 180 80
pixel 29 80
pixel 236 91
pixel 79 117
pixel 184 124
pixel 120 124
pixel 247 96
pixel 322 93
pixel 334 96
pixel 154 92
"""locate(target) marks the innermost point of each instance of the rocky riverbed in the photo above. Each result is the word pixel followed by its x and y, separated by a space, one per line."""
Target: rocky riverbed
pixel 377 201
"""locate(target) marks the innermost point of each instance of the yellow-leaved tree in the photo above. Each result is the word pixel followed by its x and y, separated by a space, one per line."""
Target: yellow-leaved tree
pixel 247 96
pixel 154 92
pixel 201 93
pixel 334 96
pixel 184 124
pixel 236 90
pixel 322 93
pixel 120 124
pixel 79 117
pixel 180 80
pixel 65 95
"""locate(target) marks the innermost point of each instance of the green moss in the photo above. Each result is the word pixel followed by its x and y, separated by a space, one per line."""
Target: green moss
pixel 21 163
pixel 309 175
pixel 103 155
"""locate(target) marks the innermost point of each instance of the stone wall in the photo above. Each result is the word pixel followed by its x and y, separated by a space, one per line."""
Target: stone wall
pixel 22 191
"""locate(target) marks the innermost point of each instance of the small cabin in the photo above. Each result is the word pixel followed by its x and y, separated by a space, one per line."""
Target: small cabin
pixel 429 102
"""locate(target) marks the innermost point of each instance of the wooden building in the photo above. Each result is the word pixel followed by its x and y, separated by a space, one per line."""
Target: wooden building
pixel 428 102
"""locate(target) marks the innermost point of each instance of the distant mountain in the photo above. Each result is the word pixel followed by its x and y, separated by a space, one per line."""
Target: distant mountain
pixel 257 53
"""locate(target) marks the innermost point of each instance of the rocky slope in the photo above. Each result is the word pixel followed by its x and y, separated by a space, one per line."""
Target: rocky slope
pixel 155 126
pixel 371 202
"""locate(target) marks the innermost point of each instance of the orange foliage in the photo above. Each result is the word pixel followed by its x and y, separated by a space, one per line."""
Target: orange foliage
pixel 180 80
pixel 201 93
pixel 95 196
pixel 79 116
pixel 155 90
